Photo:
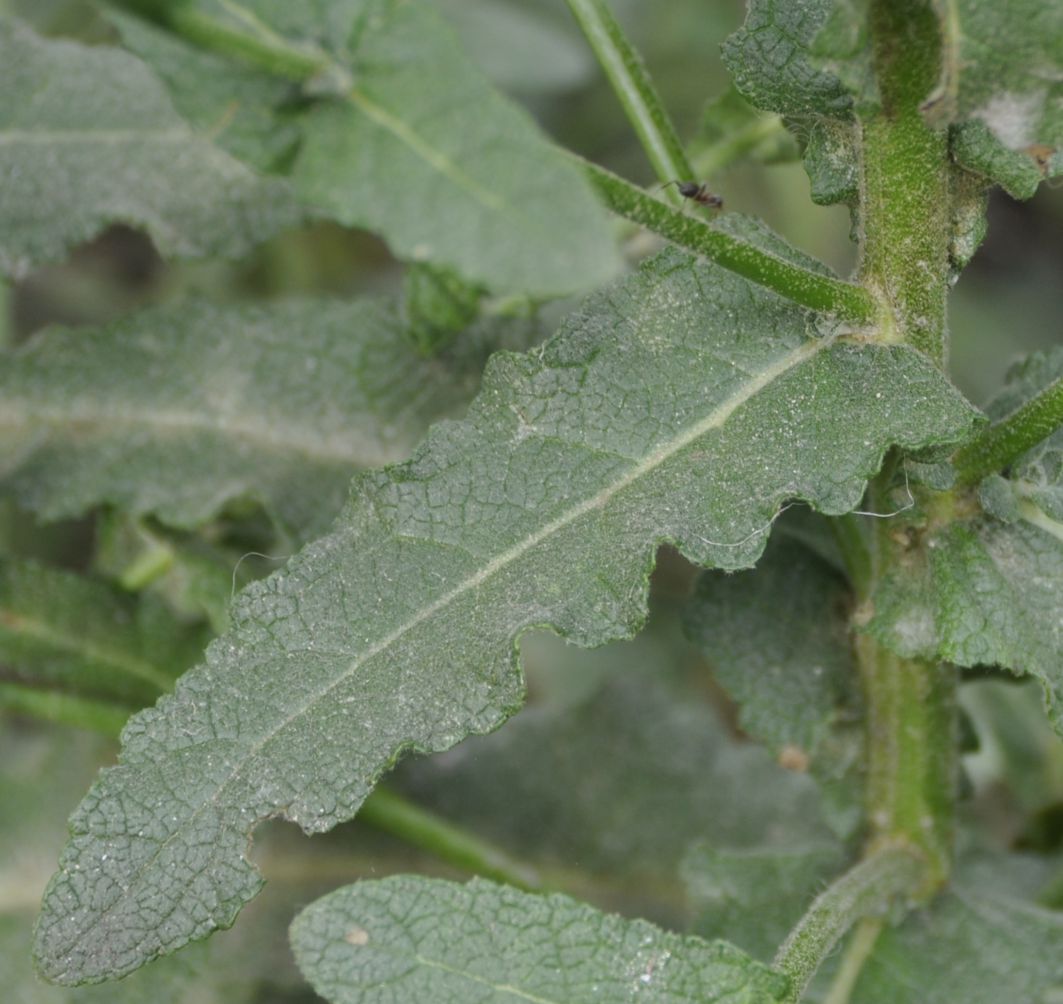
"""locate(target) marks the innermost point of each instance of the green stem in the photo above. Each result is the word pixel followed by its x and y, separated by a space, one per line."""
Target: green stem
pixel 148 566
pixel 261 48
pixel 910 785
pixel 396 815
pixel 1007 440
pixel 64 709
pixel 904 181
pixel 849 535
pixel 869 887
pixel 631 82
pixel 857 953
pixel 810 289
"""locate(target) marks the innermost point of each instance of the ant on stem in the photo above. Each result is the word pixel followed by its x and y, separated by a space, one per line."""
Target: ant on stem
pixel 698 193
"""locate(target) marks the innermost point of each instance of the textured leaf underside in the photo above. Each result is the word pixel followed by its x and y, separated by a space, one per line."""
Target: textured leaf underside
pixel 394 147
pixel 426 941
pixel 88 137
pixel 178 410
pixel 681 405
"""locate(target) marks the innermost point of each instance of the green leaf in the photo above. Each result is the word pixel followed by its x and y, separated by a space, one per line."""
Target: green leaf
pixel 178 410
pixel 88 137
pixel 681 405
pixel 988 590
pixel 450 172
pixel 755 894
pixel 620 784
pixel 426 940
pixel 1003 89
pixel 78 635
pixel 777 639
pixel 770 58
pixel 981 942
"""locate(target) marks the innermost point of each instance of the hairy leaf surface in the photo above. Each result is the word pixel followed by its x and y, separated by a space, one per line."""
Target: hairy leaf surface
pixel 385 140
pixel 180 409
pixel 988 588
pixel 88 137
pixel 426 941
pixel 682 405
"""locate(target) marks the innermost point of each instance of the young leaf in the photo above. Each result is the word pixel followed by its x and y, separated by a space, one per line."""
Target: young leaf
pixel 681 405
pixel 88 137
pixel 448 172
pixel 180 409
pixel 981 942
pixel 426 941
pixel 64 631
pixel 988 589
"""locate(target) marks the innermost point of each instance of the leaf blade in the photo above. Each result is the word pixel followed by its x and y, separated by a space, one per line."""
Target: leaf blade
pixel 399 629
pixel 510 946
pixel 76 156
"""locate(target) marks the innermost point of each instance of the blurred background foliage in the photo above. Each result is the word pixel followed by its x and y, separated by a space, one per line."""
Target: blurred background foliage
pixel 614 838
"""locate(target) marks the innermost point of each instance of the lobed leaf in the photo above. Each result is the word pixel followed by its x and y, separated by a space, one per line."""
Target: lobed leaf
pixel 180 409
pixel 402 135
pixel 426 940
pixel 88 137
pixel 988 588
pixel 682 405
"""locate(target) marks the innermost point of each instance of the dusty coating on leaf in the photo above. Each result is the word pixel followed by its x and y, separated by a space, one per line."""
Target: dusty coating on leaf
pixel 681 405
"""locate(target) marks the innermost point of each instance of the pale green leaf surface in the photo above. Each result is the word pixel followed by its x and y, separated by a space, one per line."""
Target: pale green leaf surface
pixel 178 410
pixel 420 149
pixel 991 590
pixel 776 638
pixel 426 941
pixel 68 632
pixel 753 895
pixel 682 405
pixel 980 942
pixel 88 137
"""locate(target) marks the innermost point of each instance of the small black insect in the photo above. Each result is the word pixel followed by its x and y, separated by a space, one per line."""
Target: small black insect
pixel 698 193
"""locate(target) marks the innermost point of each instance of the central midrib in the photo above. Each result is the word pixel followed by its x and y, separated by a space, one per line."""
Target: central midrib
pixel 653 460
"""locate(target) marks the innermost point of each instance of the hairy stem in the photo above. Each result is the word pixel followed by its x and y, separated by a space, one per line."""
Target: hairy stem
pixel 849 536
pixel 904 181
pixel 631 82
pixel 810 289
pixel 868 888
pixel 1007 440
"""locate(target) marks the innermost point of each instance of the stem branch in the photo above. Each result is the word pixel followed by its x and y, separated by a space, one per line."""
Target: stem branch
pixel 631 82
pixel 803 286
pixel 869 887
pixel 1005 441
pixel 394 814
